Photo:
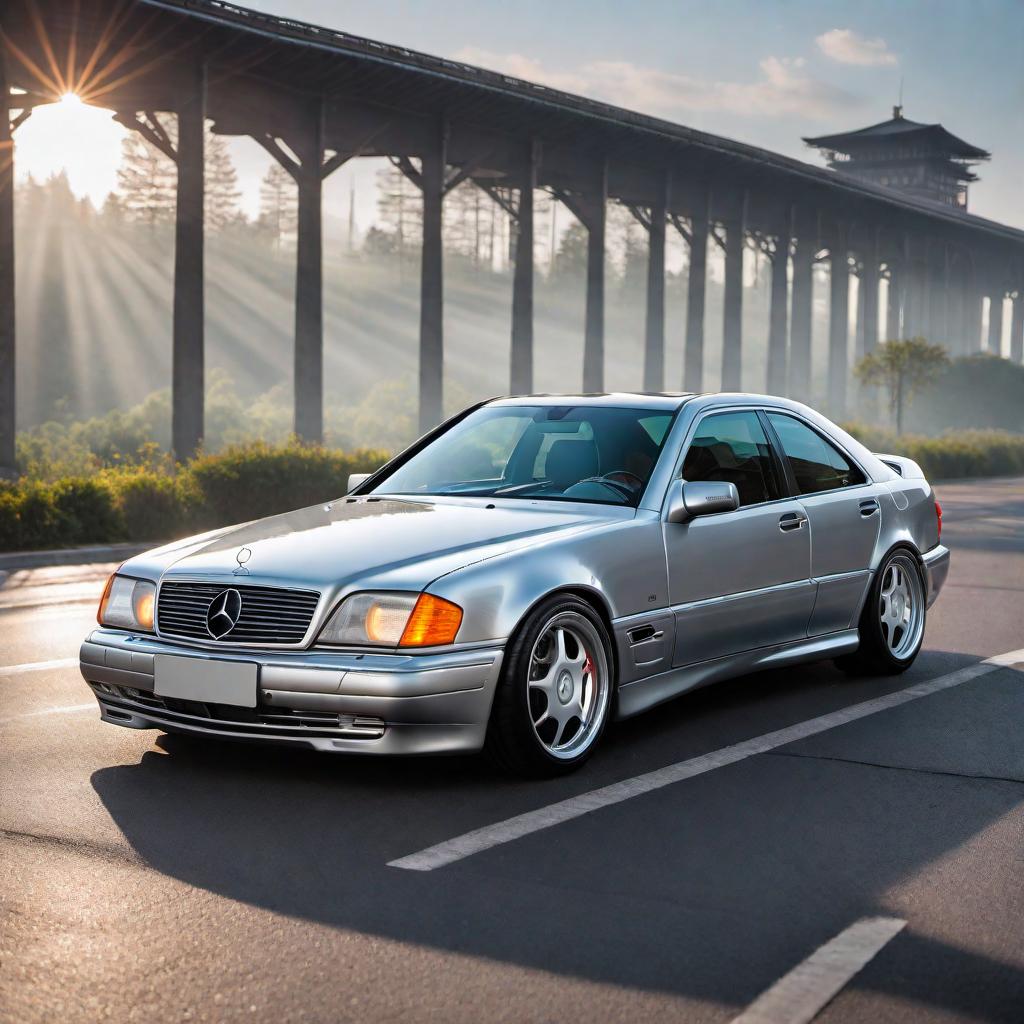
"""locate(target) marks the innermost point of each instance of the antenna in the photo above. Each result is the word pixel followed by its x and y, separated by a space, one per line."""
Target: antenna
pixel 897 111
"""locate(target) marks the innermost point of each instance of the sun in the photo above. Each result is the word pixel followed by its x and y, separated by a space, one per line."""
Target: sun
pixel 73 136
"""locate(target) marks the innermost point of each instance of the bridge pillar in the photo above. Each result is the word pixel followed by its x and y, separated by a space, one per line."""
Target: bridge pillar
pixel 867 320
pixel 732 324
pixel 432 284
pixel 972 318
pixel 521 356
pixel 995 321
pixel 838 324
pixel 778 315
pixel 309 292
pixel 654 335
pixel 593 335
pixel 800 316
pixel 7 352
pixel 187 361
pixel 938 308
pixel 696 292
pixel 1017 327
pixel 892 304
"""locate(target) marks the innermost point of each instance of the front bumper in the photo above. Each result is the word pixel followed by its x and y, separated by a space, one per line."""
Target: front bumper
pixel 936 567
pixel 358 703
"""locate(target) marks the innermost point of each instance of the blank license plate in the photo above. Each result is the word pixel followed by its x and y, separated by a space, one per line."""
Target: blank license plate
pixel 216 682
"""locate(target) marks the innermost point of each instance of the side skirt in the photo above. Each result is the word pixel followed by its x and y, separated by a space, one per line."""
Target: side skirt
pixel 648 693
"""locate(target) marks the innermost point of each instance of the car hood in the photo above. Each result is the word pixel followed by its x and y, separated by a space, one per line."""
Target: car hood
pixel 385 542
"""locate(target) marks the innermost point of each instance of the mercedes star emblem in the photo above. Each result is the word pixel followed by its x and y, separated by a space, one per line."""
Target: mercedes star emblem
pixel 222 615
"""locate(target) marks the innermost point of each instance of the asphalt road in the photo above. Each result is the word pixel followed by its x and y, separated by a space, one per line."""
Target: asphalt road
pixel 152 877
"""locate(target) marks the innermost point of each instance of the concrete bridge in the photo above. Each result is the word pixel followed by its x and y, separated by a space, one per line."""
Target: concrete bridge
pixel 315 98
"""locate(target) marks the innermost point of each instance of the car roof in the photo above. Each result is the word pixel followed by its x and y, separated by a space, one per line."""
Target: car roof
pixel 669 401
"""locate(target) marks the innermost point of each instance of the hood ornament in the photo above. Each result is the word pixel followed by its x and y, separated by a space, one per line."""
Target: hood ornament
pixel 241 558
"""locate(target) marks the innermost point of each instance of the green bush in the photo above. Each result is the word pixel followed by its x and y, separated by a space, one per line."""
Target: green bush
pixel 153 505
pixel 76 510
pixel 964 453
pixel 256 480
pixel 151 498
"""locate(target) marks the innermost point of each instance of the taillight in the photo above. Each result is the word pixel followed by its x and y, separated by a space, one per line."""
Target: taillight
pixel 938 518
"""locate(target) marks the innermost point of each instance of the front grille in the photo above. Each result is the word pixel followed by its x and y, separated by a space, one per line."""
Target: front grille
pixel 269 615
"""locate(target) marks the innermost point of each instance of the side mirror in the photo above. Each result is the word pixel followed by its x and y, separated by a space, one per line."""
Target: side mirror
pixel 355 479
pixel 692 498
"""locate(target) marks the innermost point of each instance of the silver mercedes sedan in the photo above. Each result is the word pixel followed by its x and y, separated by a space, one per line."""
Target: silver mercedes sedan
pixel 523 574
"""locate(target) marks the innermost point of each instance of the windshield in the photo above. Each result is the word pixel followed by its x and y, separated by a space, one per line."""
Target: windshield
pixel 566 453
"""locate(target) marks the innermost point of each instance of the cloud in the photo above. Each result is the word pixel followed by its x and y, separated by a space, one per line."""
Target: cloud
pixel 847 47
pixel 782 87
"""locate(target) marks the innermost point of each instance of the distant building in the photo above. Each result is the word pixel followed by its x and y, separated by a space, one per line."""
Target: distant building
pixel 921 159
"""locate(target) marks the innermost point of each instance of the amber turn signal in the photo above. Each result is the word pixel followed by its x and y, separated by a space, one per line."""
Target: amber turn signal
pixel 433 621
pixel 106 597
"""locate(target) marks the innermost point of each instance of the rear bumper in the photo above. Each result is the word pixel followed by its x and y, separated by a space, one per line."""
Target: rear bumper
pixel 936 567
pixel 354 703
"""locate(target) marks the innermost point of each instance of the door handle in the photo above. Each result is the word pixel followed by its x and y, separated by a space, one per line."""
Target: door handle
pixel 869 507
pixel 791 521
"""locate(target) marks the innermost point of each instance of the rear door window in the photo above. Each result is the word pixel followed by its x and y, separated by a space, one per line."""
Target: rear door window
pixel 816 464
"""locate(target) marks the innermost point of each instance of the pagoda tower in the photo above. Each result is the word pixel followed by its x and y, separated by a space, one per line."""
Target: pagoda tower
pixel 922 160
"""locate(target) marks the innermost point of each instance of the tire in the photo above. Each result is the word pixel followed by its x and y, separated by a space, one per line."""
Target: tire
pixel 893 621
pixel 533 730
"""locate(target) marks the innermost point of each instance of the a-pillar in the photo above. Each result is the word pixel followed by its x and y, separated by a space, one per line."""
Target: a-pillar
pixel 7 352
pixel 732 320
pixel 778 320
pixel 1017 327
pixel 838 323
pixel 800 315
pixel 521 368
pixel 654 335
pixel 696 293
pixel 187 377
pixel 995 321
pixel 432 177
pixel 309 294
pixel 593 332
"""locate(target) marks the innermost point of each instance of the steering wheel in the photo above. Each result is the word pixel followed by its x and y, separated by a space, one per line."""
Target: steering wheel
pixel 629 485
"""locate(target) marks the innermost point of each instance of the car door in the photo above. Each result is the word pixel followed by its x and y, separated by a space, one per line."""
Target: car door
pixel 844 511
pixel 738 580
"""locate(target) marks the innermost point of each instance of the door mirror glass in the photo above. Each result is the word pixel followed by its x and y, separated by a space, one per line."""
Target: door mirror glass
pixel 692 498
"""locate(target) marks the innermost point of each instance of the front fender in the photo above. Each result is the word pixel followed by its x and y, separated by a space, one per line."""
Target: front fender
pixel 624 563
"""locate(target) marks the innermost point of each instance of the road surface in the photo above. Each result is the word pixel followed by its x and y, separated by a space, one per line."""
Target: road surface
pixel 861 866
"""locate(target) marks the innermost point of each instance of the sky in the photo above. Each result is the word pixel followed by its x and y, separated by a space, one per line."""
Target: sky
pixel 760 71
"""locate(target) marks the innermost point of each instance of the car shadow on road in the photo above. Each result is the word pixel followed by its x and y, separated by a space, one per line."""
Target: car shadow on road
pixel 711 888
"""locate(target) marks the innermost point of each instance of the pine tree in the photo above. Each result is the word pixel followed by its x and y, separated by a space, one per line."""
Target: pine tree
pixel 146 180
pixel 221 205
pixel 278 204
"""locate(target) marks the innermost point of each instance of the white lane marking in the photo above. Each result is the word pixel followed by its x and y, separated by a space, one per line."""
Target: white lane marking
pixel 798 997
pixel 565 810
pixel 36 666
pixel 65 710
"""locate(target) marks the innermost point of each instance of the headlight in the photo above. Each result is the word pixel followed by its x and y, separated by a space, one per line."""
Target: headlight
pixel 393 620
pixel 127 603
